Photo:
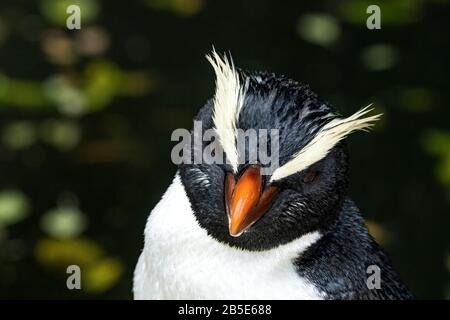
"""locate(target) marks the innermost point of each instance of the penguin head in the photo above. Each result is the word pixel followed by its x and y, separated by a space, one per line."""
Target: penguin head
pixel 246 202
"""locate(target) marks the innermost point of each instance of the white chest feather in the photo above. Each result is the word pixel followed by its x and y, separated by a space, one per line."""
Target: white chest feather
pixel 181 261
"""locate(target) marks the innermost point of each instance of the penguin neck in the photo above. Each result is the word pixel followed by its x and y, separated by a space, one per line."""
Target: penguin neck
pixel 340 249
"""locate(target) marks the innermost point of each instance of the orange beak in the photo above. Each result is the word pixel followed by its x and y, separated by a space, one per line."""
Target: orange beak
pixel 244 202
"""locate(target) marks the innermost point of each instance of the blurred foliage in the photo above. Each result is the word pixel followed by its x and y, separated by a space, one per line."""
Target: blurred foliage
pixel 379 57
pixel 86 117
pixel 14 206
pixel 437 143
pixel 393 12
pixel 321 29
pixel 64 222
pixel 417 99
pixel 99 273
pixel 378 232
pixel 101 82
pixel 179 7
pixel 55 11
pixel 21 93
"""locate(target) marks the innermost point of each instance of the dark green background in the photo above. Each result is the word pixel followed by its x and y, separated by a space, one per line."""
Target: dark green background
pixel 86 118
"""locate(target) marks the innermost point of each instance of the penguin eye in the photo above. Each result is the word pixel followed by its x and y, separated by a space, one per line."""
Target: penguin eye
pixel 309 177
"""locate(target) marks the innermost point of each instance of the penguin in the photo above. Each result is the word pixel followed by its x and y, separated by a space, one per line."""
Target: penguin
pixel 228 231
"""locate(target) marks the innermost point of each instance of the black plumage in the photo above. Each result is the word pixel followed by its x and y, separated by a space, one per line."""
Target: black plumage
pixel 338 262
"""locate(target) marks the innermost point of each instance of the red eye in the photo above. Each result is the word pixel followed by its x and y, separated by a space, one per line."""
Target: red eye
pixel 309 177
